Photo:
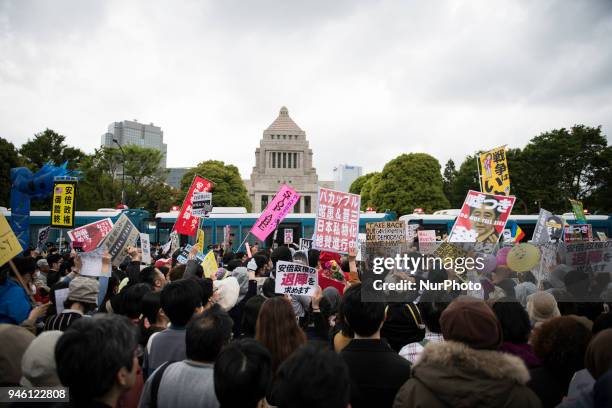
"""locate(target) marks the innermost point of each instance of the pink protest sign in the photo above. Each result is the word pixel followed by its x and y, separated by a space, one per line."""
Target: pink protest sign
pixel 275 211
pixel 91 235
pixel 337 223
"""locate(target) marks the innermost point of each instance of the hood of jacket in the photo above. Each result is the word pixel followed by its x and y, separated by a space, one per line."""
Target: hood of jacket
pixel 463 377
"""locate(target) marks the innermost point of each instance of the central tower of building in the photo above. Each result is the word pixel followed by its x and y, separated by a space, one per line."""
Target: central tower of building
pixel 283 157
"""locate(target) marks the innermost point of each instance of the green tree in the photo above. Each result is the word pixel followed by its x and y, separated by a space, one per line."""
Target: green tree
pixel 228 189
pixel 359 182
pixel 448 177
pixel 144 180
pixel 410 181
pixel 9 158
pixel 564 163
pixel 600 200
pixel 466 178
pixel 49 146
pixel 366 190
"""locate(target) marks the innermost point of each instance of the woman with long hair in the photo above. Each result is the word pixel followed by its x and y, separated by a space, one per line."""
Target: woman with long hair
pixel 277 329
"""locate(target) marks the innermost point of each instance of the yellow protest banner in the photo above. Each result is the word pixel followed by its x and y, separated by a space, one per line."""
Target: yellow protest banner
pixel 9 244
pixel 200 241
pixel 494 173
pixel 209 264
pixel 62 206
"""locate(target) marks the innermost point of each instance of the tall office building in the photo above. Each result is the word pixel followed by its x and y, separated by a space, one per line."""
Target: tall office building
pixel 344 175
pixel 131 132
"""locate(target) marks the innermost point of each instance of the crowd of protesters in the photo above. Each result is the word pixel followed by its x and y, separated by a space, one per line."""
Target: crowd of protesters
pixel 165 335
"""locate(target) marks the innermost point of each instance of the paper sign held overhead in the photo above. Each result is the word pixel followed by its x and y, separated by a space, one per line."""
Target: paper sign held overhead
pixel 386 231
pixel 295 279
pixel 275 212
pixel 186 222
pixel 62 204
pixel 337 221
pixel 91 235
pixel 201 204
pixel 123 235
pixel 288 236
pixel 494 172
pixel 9 244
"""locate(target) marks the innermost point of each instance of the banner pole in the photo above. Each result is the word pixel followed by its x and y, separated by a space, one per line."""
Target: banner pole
pixel 243 241
pixel 478 168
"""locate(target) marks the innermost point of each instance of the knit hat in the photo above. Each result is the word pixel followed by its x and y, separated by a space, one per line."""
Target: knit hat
pixel 38 362
pixel 228 290
pixel 84 290
pixel 542 306
pixel 15 341
pixel 470 321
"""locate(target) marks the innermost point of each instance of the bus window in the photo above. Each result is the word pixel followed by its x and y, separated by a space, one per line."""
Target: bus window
pixel 308 231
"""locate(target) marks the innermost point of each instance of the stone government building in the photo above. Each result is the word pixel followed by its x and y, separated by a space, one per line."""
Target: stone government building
pixel 284 157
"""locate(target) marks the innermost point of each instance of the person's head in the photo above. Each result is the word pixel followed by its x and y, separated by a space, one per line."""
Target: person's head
pixel 207 333
pixel 431 305
pixel 260 263
pixel 54 261
pixel 501 273
pixel 278 330
pixel 514 320
pixel 82 294
pixel 243 365
pixel 152 277
pixel 282 253
pixel 38 362
pixel 132 299
pixel 577 283
pixel 233 264
pixel 301 258
pixel 470 321
pixel 228 257
pixel 206 289
pixel 508 285
pixel 364 318
pixel 43 265
pixel 561 343
pixel 14 343
pixel 25 265
pixel 97 357
pixel 312 378
pixel 151 309
pixel 313 257
pixel 176 273
pixel 180 300
pixel 598 357
pixel 602 322
pixel 541 306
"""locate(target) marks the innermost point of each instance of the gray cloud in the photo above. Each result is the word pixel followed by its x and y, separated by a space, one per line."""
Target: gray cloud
pixel 366 80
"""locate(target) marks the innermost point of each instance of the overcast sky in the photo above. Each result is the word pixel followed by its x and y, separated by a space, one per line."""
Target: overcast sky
pixel 366 80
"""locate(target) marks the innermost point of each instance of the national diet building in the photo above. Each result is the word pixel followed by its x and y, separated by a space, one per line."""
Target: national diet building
pixel 284 157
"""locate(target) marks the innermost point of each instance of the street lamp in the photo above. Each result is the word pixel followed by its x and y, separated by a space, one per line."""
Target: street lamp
pixel 122 172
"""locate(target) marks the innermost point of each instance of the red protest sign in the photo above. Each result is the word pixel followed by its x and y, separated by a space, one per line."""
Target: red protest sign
pixel 337 223
pixel 186 222
pixel 89 236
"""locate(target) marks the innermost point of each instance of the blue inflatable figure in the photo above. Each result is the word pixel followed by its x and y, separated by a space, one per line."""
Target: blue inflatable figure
pixel 26 186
